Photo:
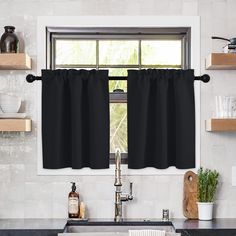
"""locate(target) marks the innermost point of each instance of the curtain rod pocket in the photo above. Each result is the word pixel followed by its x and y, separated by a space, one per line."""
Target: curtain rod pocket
pixel 31 78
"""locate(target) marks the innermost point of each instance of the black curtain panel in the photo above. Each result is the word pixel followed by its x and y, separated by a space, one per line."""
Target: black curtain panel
pixel 161 119
pixel 75 119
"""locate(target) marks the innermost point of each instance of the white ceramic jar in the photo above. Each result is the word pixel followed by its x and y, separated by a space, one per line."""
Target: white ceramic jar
pixel 9 103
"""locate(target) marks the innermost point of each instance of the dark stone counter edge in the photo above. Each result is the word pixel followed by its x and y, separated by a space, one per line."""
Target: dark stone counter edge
pixel 32 224
pixel 29 232
pixel 215 224
pixel 59 224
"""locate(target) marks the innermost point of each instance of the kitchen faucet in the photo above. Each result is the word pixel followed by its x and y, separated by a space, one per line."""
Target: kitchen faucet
pixel 119 197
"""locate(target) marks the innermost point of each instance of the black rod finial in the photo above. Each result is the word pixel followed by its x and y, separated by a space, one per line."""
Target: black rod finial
pixel 30 78
pixel 205 78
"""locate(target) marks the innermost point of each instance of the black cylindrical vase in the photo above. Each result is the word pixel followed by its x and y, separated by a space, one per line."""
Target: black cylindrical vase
pixel 9 41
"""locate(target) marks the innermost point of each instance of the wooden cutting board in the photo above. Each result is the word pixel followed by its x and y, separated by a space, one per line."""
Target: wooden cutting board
pixel 190 195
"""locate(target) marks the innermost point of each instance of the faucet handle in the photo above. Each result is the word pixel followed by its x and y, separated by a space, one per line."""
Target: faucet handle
pixel 130 188
pixel 130 197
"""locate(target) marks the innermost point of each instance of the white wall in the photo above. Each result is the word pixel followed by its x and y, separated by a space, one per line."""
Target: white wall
pixel 24 194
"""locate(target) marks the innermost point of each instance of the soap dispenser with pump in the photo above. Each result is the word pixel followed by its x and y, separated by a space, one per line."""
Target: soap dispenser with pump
pixel 73 202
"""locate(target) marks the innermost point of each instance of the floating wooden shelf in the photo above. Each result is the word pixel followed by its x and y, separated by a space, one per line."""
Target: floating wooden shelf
pixel 12 125
pixel 221 125
pixel 15 61
pixel 221 61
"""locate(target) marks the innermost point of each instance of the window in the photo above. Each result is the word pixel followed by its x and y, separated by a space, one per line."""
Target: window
pixel 118 50
pixel 51 28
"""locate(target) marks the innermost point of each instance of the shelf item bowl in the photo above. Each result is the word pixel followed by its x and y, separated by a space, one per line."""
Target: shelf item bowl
pixel 9 103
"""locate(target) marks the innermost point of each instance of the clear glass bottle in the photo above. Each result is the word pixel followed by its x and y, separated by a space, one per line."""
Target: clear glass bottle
pixel 9 41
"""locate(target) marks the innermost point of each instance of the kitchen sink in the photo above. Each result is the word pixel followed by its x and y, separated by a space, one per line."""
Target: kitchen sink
pixel 112 228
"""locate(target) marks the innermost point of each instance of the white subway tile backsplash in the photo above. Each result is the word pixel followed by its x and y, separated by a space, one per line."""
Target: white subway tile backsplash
pixel 39 191
pixel 59 209
pixel 5 173
pixel 10 209
pixel 17 172
pixel 38 208
pixel 190 8
pixel 19 190
pixel 233 173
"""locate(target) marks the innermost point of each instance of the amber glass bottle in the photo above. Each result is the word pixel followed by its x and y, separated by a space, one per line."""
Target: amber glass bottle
pixel 73 202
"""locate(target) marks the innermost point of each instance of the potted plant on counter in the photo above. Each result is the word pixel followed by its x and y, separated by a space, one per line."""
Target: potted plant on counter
pixel 207 185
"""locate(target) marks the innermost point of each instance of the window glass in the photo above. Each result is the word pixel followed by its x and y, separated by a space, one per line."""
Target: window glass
pixel 75 52
pixel 118 84
pixel 165 53
pixel 118 127
pixel 118 52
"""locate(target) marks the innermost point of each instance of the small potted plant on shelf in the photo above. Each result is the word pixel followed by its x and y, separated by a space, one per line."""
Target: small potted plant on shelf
pixel 207 185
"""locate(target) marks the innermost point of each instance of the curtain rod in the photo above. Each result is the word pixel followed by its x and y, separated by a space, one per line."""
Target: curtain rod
pixel 31 78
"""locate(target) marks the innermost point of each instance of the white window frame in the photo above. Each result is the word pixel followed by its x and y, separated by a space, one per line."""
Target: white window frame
pixel 192 22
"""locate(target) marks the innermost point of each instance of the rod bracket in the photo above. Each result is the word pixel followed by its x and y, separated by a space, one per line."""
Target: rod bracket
pixel 31 78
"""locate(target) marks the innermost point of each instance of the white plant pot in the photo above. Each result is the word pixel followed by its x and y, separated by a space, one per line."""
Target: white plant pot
pixel 205 210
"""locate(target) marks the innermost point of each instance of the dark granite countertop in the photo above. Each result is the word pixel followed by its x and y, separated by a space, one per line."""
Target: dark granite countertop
pixel 32 224
pixel 220 223
pixel 59 224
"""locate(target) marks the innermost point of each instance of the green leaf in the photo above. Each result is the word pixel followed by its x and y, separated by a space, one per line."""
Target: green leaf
pixel 207 184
